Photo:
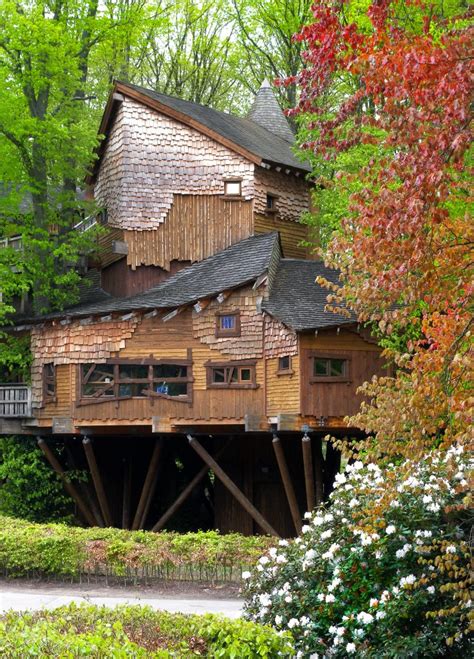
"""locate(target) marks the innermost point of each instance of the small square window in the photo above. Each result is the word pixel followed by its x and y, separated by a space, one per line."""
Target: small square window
pixel 271 204
pixel 228 324
pixel 233 188
pixel 284 364
pixel 328 368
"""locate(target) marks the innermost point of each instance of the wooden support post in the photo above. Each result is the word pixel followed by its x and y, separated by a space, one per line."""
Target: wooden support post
pixel 148 501
pixel 231 486
pixel 147 486
pixel 85 490
pixel 127 493
pixel 68 486
pixel 185 493
pixel 308 472
pixel 97 480
pixel 319 469
pixel 287 484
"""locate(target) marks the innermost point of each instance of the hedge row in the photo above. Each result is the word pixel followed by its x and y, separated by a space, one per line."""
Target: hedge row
pixel 55 550
pixel 135 631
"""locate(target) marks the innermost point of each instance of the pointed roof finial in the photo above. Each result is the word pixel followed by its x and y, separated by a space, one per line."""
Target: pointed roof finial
pixel 266 112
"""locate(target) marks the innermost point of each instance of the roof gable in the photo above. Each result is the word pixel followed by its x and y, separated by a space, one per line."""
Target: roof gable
pixel 241 135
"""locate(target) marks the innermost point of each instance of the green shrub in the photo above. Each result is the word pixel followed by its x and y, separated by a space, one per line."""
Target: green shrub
pixel 58 550
pixel 29 488
pixel 381 572
pixel 135 631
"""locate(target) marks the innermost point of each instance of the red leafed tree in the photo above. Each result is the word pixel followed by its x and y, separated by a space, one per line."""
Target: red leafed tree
pixel 405 248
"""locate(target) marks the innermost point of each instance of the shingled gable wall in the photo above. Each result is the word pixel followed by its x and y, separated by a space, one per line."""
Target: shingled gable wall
pixel 149 157
pixel 293 193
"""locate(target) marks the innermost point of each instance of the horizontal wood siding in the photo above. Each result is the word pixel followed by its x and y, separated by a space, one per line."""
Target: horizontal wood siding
pixel 170 340
pixel 106 256
pixel 291 234
pixel 195 227
pixel 340 398
pixel 283 391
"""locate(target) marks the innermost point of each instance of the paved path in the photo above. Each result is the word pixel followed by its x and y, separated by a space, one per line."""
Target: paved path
pixel 34 597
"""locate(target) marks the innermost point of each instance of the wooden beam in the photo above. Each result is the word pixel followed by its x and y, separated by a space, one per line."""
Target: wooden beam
pixel 308 472
pixel 147 485
pixel 287 484
pixel 319 469
pixel 97 480
pixel 127 494
pixel 85 488
pixel 231 486
pixel 186 492
pixel 68 486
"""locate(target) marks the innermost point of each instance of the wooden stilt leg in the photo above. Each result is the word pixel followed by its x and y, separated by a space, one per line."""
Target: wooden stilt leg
pixel 147 486
pixel 148 501
pixel 185 493
pixel 85 490
pixel 97 480
pixel 319 470
pixel 68 486
pixel 287 484
pixel 127 492
pixel 308 472
pixel 231 486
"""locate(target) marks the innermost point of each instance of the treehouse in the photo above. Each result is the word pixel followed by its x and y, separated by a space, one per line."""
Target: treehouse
pixel 199 373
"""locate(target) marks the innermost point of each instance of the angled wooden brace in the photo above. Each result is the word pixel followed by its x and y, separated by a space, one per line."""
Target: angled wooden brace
pixel 97 480
pixel 147 491
pixel 231 486
pixel 287 484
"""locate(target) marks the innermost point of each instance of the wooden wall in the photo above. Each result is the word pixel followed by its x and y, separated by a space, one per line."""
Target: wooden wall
pixel 120 280
pixel 195 227
pixel 283 391
pixel 337 399
pixel 292 192
pixel 291 234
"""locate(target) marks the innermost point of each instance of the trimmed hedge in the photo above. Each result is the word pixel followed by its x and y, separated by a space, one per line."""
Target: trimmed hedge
pixel 135 631
pixel 55 550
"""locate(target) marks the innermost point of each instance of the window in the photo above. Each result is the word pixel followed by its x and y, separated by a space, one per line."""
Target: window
pixel 127 380
pixel 284 365
pixel 49 382
pixel 228 324
pixel 330 369
pixel 271 205
pixel 231 375
pixel 233 188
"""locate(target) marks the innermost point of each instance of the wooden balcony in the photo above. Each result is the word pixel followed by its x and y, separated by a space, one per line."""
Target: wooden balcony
pixel 15 401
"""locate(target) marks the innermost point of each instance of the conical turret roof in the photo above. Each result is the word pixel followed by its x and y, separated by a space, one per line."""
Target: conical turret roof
pixel 267 112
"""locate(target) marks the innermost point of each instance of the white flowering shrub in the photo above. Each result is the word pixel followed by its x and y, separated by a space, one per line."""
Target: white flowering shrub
pixel 382 571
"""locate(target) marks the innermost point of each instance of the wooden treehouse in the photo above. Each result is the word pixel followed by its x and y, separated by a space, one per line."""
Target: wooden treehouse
pixel 198 375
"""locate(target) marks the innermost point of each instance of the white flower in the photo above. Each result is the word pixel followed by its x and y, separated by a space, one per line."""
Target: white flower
pixel 318 520
pixel 427 498
pixel 373 602
pixel 330 598
pixel 353 503
pixel 273 552
pixel 434 507
pixel 264 560
pixel 246 575
pixel 283 543
pixel 281 559
pixel 288 599
pixel 326 534
pixel 407 581
pixel 310 554
pixel 305 528
pixel 358 465
pixel 431 590
pixel 304 621
pixel 307 515
pixel 359 633
pixel 332 630
pixel 321 597
pixel 328 517
pixel 450 549
pixel 341 631
pixel 380 614
pixel 293 622
pixel 340 479
pixel 265 600
pixel 365 618
pixel 390 529
pixel 350 648
pixel 278 620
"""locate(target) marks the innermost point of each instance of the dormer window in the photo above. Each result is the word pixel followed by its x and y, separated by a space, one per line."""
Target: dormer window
pixel 271 205
pixel 233 187
pixel 228 324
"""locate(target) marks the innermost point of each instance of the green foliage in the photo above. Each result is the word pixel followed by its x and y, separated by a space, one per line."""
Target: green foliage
pixel 133 631
pixel 384 571
pixel 29 488
pixel 60 550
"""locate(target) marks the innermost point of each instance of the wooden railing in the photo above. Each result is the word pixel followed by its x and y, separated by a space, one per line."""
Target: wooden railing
pixel 15 401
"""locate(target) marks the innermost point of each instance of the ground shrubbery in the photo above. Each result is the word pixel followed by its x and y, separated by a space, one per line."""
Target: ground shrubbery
pixel 383 571
pixel 134 631
pixel 28 549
